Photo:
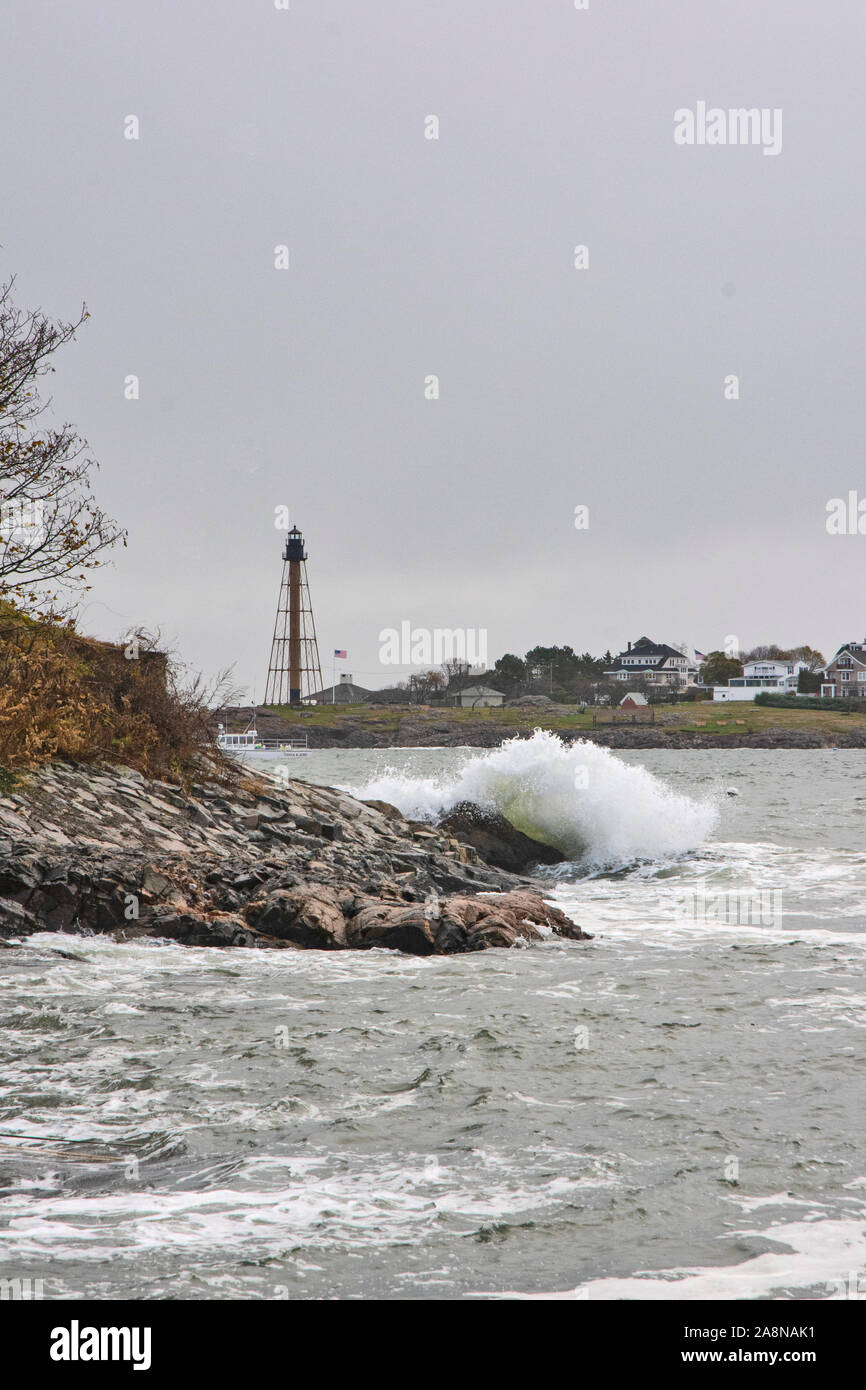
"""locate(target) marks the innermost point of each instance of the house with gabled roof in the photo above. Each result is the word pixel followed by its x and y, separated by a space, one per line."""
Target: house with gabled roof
pixel 479 697
pixel 654 662
pixel 845 675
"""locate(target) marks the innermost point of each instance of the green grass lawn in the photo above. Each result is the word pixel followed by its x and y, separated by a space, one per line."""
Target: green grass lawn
pixel 723 718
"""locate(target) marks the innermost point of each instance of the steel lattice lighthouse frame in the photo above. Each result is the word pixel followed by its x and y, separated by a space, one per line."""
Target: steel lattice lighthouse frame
pixel 294 672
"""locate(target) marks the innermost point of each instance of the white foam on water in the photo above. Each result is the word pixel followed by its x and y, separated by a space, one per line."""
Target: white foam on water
pixel 823 1254
pixel 578 797
pixel 361 1209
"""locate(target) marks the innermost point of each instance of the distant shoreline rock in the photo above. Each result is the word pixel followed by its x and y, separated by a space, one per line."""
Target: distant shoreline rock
pixel 87 849
pixel 432 728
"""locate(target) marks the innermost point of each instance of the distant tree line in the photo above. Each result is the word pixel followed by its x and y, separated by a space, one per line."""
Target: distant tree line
pixel 560 672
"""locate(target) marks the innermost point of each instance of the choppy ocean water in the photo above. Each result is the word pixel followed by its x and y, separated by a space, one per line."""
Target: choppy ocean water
pixel 674 1110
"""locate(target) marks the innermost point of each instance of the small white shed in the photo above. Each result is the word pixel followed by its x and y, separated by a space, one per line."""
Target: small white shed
pixel 480 697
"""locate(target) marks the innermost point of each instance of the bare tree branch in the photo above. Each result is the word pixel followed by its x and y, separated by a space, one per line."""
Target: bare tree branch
pixel 52 532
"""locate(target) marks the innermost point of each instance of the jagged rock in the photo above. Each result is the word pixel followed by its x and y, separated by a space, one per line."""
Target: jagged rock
pixel 451 934
pixel 17 878
pixel 309 916
pixel 496 840
pixel 16 920
pixel 121 774
pixel 56 904
pixel 154 883
pixel 491 917
pixel 385 809
pixel 397 928
pixel 500 929
pixel 219 930
pixel 199 815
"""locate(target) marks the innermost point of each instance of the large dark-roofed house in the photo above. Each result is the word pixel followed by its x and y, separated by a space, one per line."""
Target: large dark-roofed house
pixel 845 676
pixel 655 662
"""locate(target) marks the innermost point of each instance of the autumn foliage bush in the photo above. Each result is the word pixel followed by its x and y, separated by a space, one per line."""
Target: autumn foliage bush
pixel 70 697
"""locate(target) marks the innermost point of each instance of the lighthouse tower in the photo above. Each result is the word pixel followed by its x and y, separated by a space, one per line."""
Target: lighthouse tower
pixel 294 671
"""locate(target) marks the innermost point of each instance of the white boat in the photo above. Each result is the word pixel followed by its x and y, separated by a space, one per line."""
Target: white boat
pixel 249 745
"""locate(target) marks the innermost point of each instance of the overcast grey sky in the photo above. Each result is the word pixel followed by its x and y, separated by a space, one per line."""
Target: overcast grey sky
pixel 410 257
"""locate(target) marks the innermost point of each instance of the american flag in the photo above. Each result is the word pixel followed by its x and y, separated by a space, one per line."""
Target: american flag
pixel 342 654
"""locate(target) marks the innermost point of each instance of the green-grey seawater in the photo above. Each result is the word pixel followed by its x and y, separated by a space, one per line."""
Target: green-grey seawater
pixel 673 1110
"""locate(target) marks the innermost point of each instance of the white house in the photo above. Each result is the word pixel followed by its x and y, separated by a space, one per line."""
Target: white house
pixel 781 676
pixel 480 697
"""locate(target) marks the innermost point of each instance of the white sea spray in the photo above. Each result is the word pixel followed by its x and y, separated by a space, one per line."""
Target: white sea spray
pixel 579 797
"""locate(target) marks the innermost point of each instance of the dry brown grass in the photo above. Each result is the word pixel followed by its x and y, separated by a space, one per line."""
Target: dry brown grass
pixel 65 696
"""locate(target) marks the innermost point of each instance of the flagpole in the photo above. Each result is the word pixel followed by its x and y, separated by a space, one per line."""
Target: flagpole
pixel 334 679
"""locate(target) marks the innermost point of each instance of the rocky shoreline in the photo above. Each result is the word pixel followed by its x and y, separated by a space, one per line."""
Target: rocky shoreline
pixel 649 737
pixel 100 849
pixel 429 729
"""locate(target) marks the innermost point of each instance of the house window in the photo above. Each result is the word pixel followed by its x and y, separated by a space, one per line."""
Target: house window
pixel 861 675
pixel 844 675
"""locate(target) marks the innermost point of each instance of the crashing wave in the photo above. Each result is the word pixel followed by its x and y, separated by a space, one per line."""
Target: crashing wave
pixel 579 797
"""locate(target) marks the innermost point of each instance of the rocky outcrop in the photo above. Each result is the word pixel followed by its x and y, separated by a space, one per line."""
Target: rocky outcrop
pixel 87 849
pixel 460 923
pixel 496 839
pixel 311 915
